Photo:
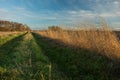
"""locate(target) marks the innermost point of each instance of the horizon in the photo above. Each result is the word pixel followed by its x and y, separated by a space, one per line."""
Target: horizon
pixel 39 14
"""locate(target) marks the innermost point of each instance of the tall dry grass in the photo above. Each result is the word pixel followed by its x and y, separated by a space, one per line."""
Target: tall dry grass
pixel 4 34
pixel 102 40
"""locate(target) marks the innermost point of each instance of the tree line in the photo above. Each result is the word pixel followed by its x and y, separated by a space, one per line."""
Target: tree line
pixel 13 26
pixel 55 28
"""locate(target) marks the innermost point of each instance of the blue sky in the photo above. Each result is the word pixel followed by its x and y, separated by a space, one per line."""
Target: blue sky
pixel 40 14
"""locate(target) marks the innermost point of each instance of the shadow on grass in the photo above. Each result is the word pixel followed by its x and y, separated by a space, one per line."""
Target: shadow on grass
pixel 77 63
pixel 6 51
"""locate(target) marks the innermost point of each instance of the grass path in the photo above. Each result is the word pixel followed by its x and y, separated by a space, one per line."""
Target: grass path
pixel 7 48
pixel 26 61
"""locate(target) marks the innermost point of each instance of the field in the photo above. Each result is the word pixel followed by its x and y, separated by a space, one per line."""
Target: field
pixel 59 39
pixel 58 54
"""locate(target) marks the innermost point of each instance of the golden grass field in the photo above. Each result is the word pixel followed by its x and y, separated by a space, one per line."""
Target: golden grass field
pixel 102 40
pixel 3 34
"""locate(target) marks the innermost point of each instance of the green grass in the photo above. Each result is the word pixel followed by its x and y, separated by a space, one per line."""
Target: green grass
pixel 26 61
pixel 6 57
pixel 29 59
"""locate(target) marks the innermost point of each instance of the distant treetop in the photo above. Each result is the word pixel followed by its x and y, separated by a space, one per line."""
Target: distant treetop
pixel 13 26
pixel 55 28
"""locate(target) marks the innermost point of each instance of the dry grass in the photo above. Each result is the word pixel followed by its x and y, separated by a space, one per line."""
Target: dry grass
pixel 102 40
pixel 6 36
pixel 3 34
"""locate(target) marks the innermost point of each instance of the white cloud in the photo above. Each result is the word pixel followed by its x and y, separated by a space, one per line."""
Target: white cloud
pixel 19 8
pixel 118 13
pixel 92 14
pixel 107 6
pixel 116 2
pixel 72 12
pixel 108 15
pixel 82 13
pixel 3 10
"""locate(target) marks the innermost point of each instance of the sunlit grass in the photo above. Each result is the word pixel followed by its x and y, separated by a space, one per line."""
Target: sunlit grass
pixel 102 40
pixel 6 36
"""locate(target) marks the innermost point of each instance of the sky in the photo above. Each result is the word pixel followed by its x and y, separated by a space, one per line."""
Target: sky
pixel 39 14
